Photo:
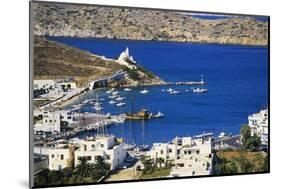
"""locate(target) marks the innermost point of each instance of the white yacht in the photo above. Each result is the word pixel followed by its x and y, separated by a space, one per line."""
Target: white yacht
pixel 127 89
pixel 115 93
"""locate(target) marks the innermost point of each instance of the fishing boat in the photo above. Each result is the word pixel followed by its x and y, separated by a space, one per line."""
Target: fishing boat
pixel 142 114
pixel 121 104
pixel 127 89
pixel 144 91
pixel 112 102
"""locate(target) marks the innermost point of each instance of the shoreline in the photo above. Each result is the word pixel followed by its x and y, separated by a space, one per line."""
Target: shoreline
pixel 153 40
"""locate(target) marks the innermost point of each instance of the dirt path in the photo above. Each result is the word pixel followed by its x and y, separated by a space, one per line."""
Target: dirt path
pixel 124 174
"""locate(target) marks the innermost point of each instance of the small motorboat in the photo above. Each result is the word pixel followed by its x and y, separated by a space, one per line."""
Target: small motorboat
pixel 115 93
pixel 200 90
pixel 112 102
pixel 158 115
pixel 120 98
pixel 98 108
pixel 174 92
pixel 144 91
pixel 121 104
pixel 127 89
pixel 170 90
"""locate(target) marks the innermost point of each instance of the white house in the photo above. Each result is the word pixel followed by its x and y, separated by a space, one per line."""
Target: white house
pixel 105 146
pixel 189 155
pixel 60 154
pixel 258 123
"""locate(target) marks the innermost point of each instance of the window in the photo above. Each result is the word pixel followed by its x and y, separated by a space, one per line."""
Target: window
pixel 197 151
pixel 161 151
pixel 89 158
pixel 50 121
pixel 185 152
pixel 61 157
pixel 180 165
pixel 102 145
pixel 108 157
pixel 85 147
pixel 53 156
pixel 178 151
pixel 170 150
pixel 193 173
pixel 46 121
pixel 189 152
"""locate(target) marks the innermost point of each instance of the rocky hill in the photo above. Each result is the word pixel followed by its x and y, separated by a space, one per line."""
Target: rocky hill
pixel 54 60
pixel 107 22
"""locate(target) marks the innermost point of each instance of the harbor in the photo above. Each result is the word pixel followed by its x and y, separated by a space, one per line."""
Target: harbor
pixel 156 124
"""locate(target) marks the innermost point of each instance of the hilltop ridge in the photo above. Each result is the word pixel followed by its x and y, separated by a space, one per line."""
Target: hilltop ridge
pixel 141 24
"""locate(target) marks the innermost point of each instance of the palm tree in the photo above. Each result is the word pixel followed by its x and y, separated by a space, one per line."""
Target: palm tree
pixel 101 164
pixel 84 168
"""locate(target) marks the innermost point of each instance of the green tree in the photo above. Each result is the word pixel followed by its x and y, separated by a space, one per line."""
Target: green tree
pixel 245 133
pixel 84 168
pixel 233 168
pixel 253 143
pixel 102 165
pixel 247 166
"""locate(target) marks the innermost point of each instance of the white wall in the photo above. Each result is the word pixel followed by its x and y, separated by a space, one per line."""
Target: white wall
pixel 14 59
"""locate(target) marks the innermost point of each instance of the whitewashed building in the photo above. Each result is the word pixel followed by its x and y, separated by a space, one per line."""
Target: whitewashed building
pixel 60 155
pixel 190 155
pixel 44 84
pixel 125 57
pixel 50 121
pixel 258 123
pixel 105 146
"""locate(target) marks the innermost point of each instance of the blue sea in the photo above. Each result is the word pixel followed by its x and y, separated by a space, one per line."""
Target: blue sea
pixel 236 77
